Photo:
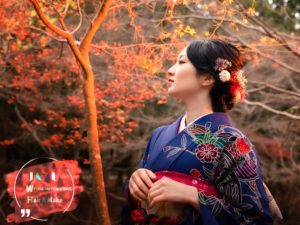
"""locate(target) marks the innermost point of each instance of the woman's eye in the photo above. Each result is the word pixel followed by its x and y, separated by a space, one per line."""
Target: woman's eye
pixel 181 62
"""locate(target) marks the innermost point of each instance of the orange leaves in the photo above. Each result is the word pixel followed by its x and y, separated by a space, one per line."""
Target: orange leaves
pixel 112 24
pixel 131 125
pixel 76 101
pixel 251 11
pixel 170 3
pixel 206 33
pixel 134 71
pixel 164 35
pixel 267 41
pixel 230 12
pixel 182 2
pixel 35 121
pixel 263 39
pixel 44 41
pixel 162 101
pixel 120 116
pixel 7 142
pixel 57 120
pixel 55 140
pixel 181 30
pixel 65 131
pixel 189 30
pixel 10 101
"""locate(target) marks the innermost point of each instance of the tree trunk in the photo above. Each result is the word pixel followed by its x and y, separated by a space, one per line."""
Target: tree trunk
pixel 94 149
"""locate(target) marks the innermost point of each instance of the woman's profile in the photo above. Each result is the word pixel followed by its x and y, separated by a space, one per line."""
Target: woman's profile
pixel 201 164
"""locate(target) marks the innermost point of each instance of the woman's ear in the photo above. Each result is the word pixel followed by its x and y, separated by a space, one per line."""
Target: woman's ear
pixel 206 80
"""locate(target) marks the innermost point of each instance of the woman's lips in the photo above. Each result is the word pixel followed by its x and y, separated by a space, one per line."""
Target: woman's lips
pixel 170 81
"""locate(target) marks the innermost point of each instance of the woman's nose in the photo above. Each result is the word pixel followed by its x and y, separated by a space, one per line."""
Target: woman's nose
pixel 170 71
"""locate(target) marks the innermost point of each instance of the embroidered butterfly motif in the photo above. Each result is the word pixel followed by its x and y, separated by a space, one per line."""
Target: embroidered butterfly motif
pixel 174 149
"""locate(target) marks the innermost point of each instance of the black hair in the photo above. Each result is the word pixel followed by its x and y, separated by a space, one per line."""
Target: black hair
pixel 203 54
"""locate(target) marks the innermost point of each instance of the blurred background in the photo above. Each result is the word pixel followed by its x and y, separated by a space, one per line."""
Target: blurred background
pixel 42 101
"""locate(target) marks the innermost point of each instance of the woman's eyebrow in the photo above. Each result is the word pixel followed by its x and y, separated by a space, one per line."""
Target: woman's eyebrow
pixel 179 57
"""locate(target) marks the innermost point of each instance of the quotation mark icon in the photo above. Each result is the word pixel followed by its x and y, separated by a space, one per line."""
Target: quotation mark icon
pixel 25 212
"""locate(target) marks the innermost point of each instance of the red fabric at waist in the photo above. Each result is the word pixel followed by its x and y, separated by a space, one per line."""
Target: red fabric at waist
pixel 202 185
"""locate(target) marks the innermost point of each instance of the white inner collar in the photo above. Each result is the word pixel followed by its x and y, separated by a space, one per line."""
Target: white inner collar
pixel 183 122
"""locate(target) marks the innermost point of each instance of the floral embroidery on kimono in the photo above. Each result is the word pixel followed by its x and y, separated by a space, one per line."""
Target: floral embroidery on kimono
pixel 229 163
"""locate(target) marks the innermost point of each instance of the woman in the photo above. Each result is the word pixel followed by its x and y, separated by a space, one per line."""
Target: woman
pixel 207 80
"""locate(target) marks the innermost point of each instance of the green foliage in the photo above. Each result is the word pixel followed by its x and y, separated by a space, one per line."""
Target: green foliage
pixel 280 14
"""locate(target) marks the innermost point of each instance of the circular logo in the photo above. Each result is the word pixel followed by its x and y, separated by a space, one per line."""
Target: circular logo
pixel 44 186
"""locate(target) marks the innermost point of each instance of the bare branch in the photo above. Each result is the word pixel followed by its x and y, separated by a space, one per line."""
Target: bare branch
pixel 33 132
pixel 50 25
pixel 80 18
pixel 94 27
pixel 85 63
pixel 47 33
pixel 275 111
pixel 270 57
pixel 275 88
pixel 271 32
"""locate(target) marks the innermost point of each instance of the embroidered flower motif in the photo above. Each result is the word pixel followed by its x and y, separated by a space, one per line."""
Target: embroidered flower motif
pixel 242 146
pixel 206 152
pixel 233 151
pixel 195 173
pixel 194 181
pixel 224 75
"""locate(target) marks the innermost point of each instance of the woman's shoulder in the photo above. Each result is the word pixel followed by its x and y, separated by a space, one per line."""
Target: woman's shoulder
pixel 157 131
pixel 236 141
pixel 162 127
pixel 238 148
pixel 234 131
pixel 231 133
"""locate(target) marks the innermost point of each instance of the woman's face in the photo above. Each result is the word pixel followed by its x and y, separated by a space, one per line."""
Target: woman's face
pixel 183 80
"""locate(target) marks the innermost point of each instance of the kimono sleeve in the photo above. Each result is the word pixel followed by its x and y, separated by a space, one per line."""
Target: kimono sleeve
pixel 131 203
pixel 239 180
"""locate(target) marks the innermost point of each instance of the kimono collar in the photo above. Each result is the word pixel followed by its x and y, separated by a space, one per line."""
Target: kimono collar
pixel 217 118
pixel 183 125
pixel 170 136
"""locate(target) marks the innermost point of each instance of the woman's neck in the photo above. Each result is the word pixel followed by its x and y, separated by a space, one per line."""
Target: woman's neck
pixel 196 107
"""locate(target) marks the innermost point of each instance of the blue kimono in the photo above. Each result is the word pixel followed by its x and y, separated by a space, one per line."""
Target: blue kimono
pixel 211 149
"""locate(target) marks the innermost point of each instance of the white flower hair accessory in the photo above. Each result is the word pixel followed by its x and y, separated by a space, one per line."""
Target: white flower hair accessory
pixel 222 65
pixel 224 75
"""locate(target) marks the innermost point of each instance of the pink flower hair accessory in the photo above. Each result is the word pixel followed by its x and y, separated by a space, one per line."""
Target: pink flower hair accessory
pixel 237 78
pixel 222 65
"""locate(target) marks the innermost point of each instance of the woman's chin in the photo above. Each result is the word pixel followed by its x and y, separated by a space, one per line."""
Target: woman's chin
pixel 175 95
pixel 171 92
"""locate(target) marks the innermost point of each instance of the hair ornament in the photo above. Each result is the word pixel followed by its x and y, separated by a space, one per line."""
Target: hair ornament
pixel 241 78
pixel 224 75
pixel 222 65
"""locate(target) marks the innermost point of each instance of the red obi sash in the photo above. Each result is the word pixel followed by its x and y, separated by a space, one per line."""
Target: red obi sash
pixel 146 217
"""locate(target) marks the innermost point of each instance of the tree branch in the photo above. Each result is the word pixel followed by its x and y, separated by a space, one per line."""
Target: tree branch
pixel 33 132
pixel 65 34
pixel 275 111
pixel 270 32
pixel 94 27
